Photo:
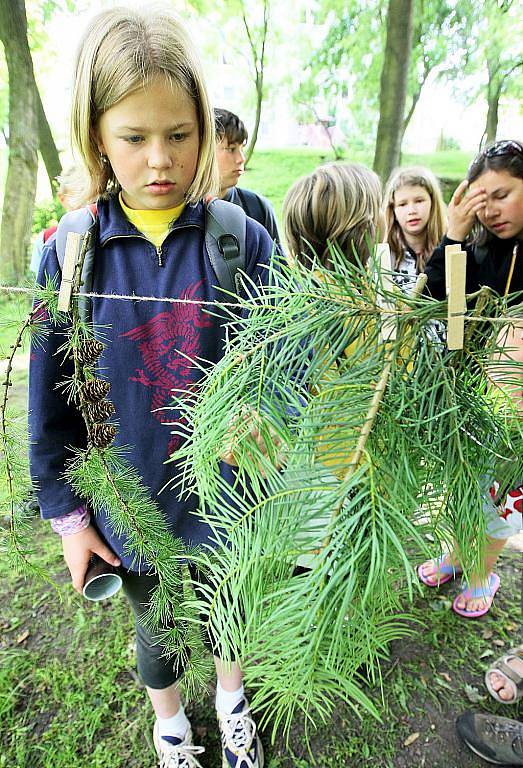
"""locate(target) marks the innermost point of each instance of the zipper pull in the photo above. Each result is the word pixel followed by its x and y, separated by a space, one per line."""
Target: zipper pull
pixel 159 252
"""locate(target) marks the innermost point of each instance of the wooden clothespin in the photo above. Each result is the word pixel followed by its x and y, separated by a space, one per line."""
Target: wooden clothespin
pixel 388 321
pixel 72 249
pixel 455 274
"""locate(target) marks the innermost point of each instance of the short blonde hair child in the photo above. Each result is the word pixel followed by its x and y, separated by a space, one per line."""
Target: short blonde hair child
pixel 414 176
pixel 338 203
pixel 122 50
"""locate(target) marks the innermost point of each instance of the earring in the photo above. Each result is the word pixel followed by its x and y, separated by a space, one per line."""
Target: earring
pixel 103 159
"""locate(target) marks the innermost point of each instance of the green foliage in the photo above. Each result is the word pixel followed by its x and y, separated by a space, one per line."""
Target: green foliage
pixel 382 442
pixel 16 544
pixel 47 214
pixel 346 67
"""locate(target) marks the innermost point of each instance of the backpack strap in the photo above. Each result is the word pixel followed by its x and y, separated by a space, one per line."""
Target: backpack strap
pixel 225 225
pixel 49 231
pixel 73 228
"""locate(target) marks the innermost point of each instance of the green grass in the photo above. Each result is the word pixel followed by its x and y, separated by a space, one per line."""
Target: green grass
pixel 272 172
pixel 69 695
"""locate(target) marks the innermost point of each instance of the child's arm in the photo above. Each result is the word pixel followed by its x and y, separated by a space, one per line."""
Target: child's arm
pixel 507 369
pixel 462 211
pixel 78 549
pixel 464 205
pixel 252 421
pixel 55 424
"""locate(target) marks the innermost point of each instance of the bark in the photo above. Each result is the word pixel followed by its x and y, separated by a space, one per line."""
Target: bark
pixel 259 71
pixel 393 86
pixel 46 143
pixel 491 127
pixel 496 85
pixel 22 167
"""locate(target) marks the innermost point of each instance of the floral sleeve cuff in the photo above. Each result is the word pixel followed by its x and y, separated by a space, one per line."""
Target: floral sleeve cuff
pixel 73 522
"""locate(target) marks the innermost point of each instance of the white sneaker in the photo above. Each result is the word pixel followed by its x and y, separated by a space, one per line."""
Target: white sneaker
pixel 241 745
pixel 175 752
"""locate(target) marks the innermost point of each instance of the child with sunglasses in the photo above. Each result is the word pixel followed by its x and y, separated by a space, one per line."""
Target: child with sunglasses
pixel 485 216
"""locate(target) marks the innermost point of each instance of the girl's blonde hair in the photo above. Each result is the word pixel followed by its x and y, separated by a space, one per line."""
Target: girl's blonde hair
pixel 123 50
pixel 338 203
pixel 415 176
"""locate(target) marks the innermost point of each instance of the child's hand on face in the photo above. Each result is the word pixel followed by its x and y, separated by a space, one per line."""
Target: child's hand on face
pixel 253 421
pixel 78 549
pixel 464 205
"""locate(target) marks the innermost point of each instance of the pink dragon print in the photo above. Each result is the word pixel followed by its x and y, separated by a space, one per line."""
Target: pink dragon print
pixel 168 342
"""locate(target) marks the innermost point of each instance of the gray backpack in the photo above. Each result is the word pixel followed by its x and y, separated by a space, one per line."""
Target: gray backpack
pixel 225 225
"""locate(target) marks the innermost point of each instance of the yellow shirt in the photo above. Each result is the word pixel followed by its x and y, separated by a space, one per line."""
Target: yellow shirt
pixel 155 225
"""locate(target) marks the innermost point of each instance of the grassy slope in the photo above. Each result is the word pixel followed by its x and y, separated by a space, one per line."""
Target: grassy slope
pixel 272 172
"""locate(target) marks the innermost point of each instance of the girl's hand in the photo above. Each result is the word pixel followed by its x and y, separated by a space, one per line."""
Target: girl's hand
pixel 249 417
pixel 78 548
pixel 465 204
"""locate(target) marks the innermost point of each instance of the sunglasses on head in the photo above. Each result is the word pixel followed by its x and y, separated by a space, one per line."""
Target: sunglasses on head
pixel 508 148
pixel 503 148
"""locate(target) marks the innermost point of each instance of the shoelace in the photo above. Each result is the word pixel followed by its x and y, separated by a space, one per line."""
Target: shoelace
pixel 180 755
pixel 238 730
pixel 503 733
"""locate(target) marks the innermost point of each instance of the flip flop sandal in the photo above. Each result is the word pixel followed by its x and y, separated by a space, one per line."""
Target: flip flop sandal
pixel 502 667
pixel 485 592
pixel 445 571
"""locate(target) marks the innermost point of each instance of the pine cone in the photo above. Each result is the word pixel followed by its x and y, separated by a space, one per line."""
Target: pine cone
pixel 102 435
pixel 101 410
pixel 89 351
pixel 94 390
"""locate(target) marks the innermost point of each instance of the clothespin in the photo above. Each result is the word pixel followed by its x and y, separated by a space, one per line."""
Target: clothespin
pixel 388 322
pixel 72 249
pixel 455 273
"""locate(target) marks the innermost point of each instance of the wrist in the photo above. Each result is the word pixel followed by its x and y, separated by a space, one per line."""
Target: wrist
pixel 73 522
pixel 456 233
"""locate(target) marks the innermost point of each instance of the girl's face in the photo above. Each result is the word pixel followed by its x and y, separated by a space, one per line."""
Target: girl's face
pixel 503 211
pixel 151 139
pixel 412 205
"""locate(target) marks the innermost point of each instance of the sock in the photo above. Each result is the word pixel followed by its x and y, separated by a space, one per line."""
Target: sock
pixel 227 701
pixel 177 725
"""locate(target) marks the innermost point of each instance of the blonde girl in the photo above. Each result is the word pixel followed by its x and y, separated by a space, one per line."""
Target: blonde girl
pixel 414 220
pixel 144 129
pixel 338 203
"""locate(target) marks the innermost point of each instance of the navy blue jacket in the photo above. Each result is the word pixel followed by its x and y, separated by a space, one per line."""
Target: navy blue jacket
pixel 149 346
pixel 486 265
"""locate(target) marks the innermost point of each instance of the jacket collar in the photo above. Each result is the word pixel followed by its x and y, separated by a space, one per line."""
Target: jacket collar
pixel 114 223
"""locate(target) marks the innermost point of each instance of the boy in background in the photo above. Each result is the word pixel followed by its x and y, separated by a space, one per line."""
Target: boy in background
pixel 231 137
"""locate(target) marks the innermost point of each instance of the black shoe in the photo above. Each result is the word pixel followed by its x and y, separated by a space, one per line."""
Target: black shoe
pixel 497 740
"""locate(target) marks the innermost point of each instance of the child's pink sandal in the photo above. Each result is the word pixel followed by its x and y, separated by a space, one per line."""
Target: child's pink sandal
pixel 445 571
pixel 484 591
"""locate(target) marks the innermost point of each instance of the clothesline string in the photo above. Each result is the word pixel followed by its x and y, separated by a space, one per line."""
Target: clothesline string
pixel 200 302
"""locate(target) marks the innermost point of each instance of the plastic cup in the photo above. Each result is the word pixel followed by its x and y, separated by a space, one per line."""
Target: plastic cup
pixel 101 580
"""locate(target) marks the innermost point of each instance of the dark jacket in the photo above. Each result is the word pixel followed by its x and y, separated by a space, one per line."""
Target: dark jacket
pixel 149 347
pixel 255 206
pixel 486 265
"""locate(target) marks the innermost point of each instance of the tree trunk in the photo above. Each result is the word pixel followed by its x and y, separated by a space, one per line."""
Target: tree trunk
pixel 259 69
pixel 46 143
pixel 22 167
pixel 491 127
pixel 393 86
pixel 254 133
